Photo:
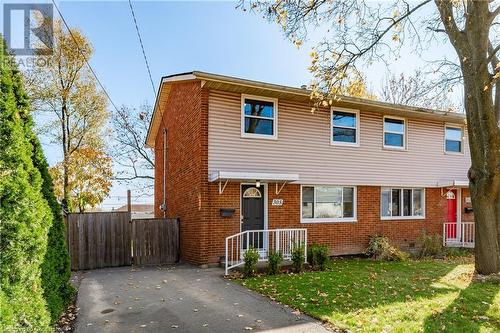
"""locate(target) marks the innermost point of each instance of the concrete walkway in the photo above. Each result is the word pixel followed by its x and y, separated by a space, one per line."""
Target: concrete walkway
pixel 178 299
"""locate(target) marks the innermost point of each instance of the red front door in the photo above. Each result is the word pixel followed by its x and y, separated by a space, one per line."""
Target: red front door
pixel 451 214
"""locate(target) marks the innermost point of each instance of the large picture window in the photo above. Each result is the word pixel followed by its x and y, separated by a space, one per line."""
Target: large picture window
pixel 328 203
pixel 402 203
pixel 453 139
pixel 394 133
pixel 258 117
pixel 345 127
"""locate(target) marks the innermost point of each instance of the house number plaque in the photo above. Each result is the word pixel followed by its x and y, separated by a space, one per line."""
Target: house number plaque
pixel 277 202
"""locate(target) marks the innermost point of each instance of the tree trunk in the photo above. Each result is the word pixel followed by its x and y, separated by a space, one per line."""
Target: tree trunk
pixel 65 201
pixel 471 44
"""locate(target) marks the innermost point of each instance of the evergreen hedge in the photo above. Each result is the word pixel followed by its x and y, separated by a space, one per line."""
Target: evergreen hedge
pixel 25 216
pixel 56 267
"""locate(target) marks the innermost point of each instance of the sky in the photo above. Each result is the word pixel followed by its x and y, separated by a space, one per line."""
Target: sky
pixel 178 37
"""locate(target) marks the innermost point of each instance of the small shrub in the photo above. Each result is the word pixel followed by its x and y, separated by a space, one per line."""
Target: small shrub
pixel 380 248
pixel 456 252
pixel 250 257
pixel 298 258
pixel 430 246
pixel 275 261
pixel 317 255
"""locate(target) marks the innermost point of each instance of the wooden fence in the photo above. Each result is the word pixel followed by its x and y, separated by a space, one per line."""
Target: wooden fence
pixel 155 241
pixel 111 239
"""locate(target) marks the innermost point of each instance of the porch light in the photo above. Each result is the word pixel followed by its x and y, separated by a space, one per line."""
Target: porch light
pixel 257 183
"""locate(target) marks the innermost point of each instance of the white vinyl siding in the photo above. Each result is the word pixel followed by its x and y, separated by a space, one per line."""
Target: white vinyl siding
pixel 328 203
pixel 402 203
pixel 304 148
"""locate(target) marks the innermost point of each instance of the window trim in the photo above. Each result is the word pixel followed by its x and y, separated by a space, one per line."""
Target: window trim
pixel 462 139
pixel 402 217
pixel 358 120
pixel 274 119
pixel 352 219
pixel 405 131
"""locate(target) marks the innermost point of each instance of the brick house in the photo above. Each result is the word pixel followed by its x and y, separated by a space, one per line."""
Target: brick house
pixel 234 155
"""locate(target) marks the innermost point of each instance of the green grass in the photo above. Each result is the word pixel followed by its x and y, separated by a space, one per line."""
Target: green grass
pixel 368 296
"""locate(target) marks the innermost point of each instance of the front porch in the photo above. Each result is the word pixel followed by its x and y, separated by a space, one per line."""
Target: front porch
pixel 459 234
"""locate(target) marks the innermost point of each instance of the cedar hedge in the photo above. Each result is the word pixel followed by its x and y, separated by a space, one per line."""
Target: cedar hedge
pixel 32 280
pixel 24 213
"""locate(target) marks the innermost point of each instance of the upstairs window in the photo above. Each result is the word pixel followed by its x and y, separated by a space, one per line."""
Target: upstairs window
pixel 453 139
pixel 403 203
pixel 258 118
pixel 328 203
pixel 345 127
pixel 394 132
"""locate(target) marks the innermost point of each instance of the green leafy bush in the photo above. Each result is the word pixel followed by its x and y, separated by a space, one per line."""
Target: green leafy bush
pixel 456 252
pixel 25 214
pixel 430 246
pixel 275 261
pixel 298 258
pixel 56 267
pixel 318 256
pixel 250 258
pixel 380 248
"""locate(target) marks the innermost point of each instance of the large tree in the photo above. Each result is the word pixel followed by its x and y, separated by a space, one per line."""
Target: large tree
pixel 361 32
pixel 414 90
pixel 89 181
pixel 67 90
pixel 134 160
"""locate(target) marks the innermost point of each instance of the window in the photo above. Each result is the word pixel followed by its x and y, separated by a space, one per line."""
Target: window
pixel 345 127
pixel 397 203
pixel 453 139
pixel 258 117
pixel 394 132
pixel 252 192
pixel 328 203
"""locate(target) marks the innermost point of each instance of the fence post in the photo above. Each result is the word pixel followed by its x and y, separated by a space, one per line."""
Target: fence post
pixel 227 259
pixel 305 245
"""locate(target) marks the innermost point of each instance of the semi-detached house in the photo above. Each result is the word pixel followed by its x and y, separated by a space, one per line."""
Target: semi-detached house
pixel 235 155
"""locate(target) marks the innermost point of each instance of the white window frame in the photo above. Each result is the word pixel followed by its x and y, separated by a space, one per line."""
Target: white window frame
pixel 332 219
pixel 405 131
pixel 461 128
pixel 340 143
pixel 274 119
pixel 402 217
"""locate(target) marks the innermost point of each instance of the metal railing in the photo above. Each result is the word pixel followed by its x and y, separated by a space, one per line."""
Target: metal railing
pixel 265 241
pixel 458 234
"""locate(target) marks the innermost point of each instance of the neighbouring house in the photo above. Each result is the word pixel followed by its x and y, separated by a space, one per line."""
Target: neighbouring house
pixel 234 155
pixel 139 211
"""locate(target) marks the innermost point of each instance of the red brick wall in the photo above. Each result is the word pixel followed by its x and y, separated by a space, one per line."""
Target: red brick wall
pixel 466 217
pixel 185 118
pixel 343 238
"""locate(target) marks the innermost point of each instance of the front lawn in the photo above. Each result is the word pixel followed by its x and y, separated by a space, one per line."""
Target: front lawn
pixel 368 296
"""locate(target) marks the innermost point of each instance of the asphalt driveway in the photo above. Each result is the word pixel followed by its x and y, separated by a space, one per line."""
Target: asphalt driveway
pixel 178 299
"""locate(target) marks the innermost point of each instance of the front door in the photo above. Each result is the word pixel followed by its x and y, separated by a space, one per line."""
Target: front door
pixel 252 211
pixel 451 213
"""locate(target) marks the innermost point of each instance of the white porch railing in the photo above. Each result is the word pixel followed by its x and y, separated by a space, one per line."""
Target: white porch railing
pixel 279 240
pixel 458 234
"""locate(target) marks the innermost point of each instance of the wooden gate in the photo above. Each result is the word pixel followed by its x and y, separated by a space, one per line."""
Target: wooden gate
pixel 111 239
pixel 155 241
